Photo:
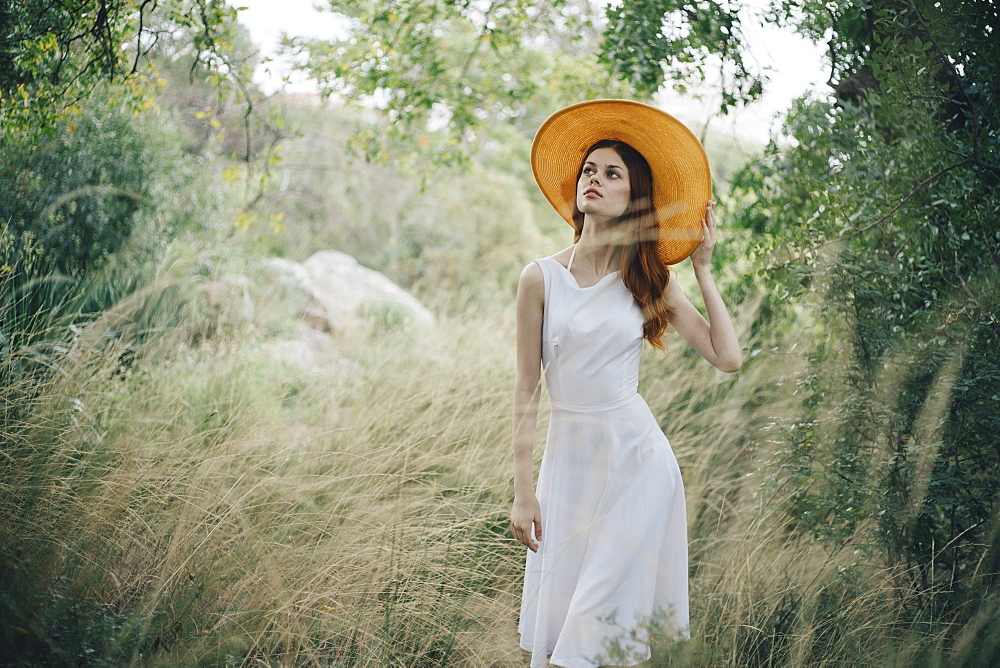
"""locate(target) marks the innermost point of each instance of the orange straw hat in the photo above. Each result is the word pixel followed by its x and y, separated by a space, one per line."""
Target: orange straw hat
pixel 682 182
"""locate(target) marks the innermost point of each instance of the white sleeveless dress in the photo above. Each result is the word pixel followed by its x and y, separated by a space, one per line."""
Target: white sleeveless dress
pixel 613 559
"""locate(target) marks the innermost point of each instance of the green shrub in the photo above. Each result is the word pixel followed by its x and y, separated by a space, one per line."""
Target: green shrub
pixel 77 191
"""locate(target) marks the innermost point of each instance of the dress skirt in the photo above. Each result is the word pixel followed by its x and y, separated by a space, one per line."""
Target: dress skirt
pixel 612 565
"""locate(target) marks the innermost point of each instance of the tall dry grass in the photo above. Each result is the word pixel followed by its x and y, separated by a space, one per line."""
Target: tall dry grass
pixel 209 505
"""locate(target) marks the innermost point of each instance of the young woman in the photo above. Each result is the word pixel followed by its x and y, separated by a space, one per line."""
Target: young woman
pixel 606 530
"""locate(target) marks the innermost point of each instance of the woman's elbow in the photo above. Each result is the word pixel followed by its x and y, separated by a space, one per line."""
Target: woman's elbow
pixel 526 389
pixel 730 364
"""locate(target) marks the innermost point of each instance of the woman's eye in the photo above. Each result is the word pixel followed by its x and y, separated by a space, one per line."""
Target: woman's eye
pixel 613 175
pixel 587 171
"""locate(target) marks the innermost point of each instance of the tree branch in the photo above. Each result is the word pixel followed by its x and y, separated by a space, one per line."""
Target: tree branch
pixel 917 188
pixel 138 36
pixel 843 237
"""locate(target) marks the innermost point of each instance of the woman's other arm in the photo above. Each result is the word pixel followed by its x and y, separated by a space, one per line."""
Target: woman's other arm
pixel 526 515
pixel 715 338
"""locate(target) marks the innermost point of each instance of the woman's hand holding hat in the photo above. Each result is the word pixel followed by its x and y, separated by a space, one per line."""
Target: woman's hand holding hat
pixel 702 255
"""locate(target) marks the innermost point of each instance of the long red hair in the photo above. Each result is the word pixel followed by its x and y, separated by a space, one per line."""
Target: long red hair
pixel 643 273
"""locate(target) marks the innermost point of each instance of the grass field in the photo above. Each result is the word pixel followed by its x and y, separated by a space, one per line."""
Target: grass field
pixel 206 504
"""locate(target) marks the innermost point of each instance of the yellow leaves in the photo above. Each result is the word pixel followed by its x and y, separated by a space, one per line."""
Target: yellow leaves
pixel 49 43
pixel 275 224
pixel 275 156
pixel 231 173
pixel 213 121
pixel 244 220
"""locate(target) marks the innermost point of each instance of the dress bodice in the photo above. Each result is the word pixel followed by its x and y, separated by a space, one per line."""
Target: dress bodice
pixel 591 338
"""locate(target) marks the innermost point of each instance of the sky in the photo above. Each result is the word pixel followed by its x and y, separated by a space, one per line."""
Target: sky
pixel 795 65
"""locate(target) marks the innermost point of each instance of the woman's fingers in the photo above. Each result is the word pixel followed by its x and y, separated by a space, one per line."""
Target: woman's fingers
pixel 703 253
pixel 709 225
pixel 532 545
pixel 523 535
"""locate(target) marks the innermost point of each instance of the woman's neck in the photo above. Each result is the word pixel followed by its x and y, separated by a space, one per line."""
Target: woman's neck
pixel 599 247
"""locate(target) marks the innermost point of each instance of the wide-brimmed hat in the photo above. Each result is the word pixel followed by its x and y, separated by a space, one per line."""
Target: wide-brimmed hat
pixel 682 182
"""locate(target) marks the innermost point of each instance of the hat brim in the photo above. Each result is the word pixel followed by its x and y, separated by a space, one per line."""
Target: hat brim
pixel 682 181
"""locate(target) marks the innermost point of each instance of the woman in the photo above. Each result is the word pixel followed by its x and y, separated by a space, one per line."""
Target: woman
pixel 606 530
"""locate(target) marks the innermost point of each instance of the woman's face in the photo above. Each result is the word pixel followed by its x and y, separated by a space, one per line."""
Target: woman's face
pixel 603 188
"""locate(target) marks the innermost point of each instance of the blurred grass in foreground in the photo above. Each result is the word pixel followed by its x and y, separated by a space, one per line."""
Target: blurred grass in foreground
pixel 207 505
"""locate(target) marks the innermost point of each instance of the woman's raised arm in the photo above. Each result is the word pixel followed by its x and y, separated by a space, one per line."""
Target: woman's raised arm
pixel 714 338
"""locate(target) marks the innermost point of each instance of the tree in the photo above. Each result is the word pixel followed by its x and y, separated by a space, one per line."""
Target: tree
pixel 455 66
pixel 882 215
pixel 651 42
pixel 71 73
pixel 54 54
pixel 79 169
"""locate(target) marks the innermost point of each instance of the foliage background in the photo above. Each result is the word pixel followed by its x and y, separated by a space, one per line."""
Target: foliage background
pixel 172 494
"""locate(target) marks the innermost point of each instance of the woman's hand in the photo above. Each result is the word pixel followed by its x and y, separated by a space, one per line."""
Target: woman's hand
pixel 527 513
pixel 702 255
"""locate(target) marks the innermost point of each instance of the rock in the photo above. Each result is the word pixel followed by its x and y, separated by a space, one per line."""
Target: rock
pixel 345 287
pixel 342 293
pixel 308 349
pixel 328 293
pixel 290 271
pixel 296 279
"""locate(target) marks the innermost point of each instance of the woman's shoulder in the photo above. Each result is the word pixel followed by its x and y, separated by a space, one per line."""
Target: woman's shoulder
pixel 531 284
pixel 562 257
pixel 531 276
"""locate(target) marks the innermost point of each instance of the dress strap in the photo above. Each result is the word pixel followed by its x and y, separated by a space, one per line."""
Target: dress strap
pixel 569 267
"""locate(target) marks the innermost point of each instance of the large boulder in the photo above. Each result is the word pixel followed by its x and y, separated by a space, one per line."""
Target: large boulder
pixel 342 293
pixel 328 293
pixel 351 290
pixel 299 287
